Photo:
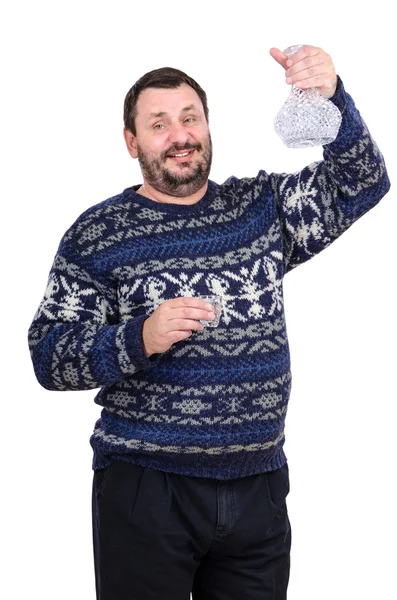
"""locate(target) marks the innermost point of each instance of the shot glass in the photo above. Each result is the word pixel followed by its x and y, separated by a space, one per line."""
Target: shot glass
pixel 216 303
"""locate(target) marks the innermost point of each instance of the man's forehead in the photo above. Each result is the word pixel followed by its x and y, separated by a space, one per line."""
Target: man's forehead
pixel 161 101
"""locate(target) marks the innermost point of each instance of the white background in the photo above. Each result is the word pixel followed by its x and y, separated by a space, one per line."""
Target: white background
pixel 66 69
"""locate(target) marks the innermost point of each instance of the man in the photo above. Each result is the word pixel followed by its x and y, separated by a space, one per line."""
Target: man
pixel 191 479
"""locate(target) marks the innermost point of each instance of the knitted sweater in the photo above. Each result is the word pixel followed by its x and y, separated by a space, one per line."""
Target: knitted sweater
pixel 214 405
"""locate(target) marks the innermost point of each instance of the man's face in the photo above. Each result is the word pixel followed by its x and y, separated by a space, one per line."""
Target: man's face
pixel 172 141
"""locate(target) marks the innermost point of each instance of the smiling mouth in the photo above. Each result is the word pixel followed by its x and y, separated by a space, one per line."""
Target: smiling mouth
pixel 184 154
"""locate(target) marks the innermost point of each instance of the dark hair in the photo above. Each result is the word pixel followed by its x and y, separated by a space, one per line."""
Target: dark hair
pixel 166 77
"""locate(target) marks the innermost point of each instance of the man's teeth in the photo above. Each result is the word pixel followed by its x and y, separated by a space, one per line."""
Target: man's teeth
pixel 180 155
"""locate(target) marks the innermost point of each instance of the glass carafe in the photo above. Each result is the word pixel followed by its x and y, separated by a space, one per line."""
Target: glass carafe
pixel 307 118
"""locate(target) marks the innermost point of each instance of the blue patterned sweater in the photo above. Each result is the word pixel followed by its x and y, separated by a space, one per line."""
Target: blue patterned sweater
pixel 214 405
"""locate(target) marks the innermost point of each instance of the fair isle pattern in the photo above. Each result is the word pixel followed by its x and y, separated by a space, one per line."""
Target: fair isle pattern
pixel 215 404
pixel 247 284
pixel 202 405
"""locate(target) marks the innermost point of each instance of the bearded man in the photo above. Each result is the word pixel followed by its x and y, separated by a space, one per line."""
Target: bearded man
pixel 190 476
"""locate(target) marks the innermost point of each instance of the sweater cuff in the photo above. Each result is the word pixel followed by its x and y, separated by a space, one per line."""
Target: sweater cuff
pixel 340 96
pixel 351 128
pixel 134 343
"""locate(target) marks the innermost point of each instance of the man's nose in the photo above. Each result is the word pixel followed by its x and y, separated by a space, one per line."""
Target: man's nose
pixel 178 134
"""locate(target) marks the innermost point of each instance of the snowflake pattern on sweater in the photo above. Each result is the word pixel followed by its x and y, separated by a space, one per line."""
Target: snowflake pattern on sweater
pixel 215 404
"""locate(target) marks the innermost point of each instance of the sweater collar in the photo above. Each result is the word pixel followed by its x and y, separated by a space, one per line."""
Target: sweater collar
pixel 131 194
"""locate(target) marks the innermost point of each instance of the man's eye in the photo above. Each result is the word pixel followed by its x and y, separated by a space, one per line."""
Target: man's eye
pixel 189 120
pixel 158 126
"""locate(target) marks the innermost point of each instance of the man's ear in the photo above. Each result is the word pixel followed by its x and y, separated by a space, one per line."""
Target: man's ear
pixel 131 143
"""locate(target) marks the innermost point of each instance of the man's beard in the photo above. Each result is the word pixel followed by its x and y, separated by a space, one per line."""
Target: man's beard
pixel 165 181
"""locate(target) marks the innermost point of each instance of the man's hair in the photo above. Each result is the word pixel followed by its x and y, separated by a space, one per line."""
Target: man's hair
pixel 166 77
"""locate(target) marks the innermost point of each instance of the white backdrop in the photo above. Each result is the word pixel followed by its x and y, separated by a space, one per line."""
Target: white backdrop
pixel 66 69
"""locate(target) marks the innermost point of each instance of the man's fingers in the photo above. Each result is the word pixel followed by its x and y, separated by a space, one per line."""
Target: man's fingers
pixel 174 312
pixel 310 65
pixel 185 301
pixel 178 336
pixel 314 78
pixel 190 313
pixel 312 82
pixel 184 324
pixel 303 53
pixel 174 320
pixel 278 56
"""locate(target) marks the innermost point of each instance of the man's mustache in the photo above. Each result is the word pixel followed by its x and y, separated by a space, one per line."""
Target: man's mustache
pixel 177 148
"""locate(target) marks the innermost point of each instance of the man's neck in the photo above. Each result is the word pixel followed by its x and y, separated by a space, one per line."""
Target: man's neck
pixel 149 192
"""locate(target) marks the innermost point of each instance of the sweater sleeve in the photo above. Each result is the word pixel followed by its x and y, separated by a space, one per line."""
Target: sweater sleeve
pixel 75 340
pixel 319 203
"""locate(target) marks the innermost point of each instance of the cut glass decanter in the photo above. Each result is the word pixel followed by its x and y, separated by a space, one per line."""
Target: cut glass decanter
pixel 307 118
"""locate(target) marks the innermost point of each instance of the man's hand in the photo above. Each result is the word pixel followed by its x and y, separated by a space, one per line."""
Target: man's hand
pixel 173 321
pixel 309 67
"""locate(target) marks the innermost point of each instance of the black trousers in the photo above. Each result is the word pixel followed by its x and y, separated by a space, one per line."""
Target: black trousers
pixel 161 536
